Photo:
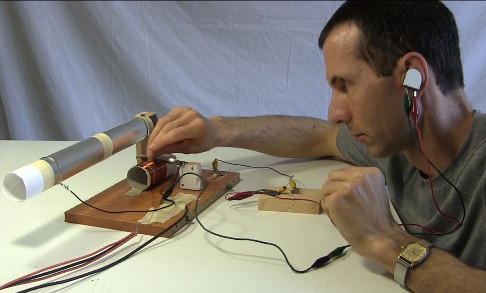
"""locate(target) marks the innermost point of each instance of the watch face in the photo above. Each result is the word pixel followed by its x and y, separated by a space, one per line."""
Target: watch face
pixel 414 252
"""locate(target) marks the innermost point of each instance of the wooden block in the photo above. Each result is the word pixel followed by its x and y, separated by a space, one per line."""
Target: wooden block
pixel 113 199
pixel 307 201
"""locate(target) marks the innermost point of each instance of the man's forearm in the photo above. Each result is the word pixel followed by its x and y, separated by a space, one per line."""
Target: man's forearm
pixel 442 272
pixel 284 136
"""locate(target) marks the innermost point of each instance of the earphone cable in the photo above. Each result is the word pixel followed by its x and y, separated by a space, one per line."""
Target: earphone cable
pixel 418 140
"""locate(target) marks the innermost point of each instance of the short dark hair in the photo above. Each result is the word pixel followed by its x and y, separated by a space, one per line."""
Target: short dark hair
pixel 391 29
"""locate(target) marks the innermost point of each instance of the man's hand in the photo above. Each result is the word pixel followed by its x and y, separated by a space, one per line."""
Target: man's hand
pixel 356 201
pixel 183 130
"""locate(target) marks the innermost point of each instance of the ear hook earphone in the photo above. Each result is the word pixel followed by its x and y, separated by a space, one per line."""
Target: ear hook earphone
pixel 412 81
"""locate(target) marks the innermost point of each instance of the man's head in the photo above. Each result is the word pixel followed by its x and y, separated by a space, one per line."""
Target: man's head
pixel 368 48
pixel 389 30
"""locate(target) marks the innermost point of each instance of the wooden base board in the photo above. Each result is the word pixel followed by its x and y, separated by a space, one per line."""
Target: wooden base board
pixel 307 201
pixel 113 199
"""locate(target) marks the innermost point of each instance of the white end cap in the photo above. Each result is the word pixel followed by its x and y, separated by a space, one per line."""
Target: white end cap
pixel 23 183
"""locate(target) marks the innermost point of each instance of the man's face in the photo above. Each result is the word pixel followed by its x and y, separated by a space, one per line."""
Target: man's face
pixel 371 106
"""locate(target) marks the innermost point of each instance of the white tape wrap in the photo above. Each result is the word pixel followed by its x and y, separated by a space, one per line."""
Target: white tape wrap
pixel 106 142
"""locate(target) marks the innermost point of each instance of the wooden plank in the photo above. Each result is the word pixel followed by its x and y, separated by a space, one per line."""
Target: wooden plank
pixel 113 199
pixel 307 201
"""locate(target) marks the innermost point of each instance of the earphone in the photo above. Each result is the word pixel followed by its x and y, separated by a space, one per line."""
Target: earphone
pixel 412 81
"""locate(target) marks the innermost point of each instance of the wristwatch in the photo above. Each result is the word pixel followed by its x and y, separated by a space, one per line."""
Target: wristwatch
pixel 411 255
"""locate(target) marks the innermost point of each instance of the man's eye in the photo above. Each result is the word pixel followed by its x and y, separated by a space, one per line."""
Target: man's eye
pixel 343 86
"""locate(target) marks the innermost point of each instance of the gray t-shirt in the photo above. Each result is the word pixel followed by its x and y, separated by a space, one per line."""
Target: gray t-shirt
pixel 411 196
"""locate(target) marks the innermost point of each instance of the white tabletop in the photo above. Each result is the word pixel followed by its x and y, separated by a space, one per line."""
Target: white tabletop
pixel 34 235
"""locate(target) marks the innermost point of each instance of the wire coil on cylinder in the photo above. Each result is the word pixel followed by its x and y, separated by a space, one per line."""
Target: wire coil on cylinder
pixel 145 174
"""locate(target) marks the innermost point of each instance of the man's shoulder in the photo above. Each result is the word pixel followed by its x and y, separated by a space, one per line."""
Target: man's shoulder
pixel 478 128
pixel 479 116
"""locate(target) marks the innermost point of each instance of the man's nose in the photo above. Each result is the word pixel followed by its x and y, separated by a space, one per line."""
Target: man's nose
pixel 338 112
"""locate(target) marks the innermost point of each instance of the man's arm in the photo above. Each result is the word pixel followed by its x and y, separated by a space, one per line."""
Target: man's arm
pixel 442 272
pixel 184 130
pixel 356 201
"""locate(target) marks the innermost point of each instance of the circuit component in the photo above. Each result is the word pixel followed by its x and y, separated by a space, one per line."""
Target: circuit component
pixel 293 187
pixel 215 165
pixel 191 182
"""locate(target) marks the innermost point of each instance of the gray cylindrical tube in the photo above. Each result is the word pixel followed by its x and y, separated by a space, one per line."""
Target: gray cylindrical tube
pixel 38 176
pixel 95 149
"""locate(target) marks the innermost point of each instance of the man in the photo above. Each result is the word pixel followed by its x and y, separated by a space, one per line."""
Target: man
pixel 431 155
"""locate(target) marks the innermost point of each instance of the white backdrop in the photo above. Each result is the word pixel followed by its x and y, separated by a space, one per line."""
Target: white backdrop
pixel 72 69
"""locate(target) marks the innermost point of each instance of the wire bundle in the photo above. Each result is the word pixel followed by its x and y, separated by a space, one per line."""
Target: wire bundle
pixel 69 265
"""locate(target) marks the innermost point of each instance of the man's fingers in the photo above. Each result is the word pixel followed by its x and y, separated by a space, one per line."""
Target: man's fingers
pixel 175 127
pixel 355 174
pixel 172 115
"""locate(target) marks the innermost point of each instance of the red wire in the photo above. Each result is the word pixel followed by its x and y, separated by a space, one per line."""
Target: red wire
pixel 113 246
pixel 430 176
pixel 245 194
pixel 419 135
pixel 239 195
pixel 423 227
pixel 302 199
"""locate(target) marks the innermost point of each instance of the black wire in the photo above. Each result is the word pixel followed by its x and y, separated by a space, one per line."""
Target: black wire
pixel 257 167
pixel 104 268
pixel 68 266
pixel 417 142
pixel 206 183
pixel 115 212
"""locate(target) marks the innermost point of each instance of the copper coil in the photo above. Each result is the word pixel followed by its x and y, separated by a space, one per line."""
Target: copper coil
pixel 147 173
